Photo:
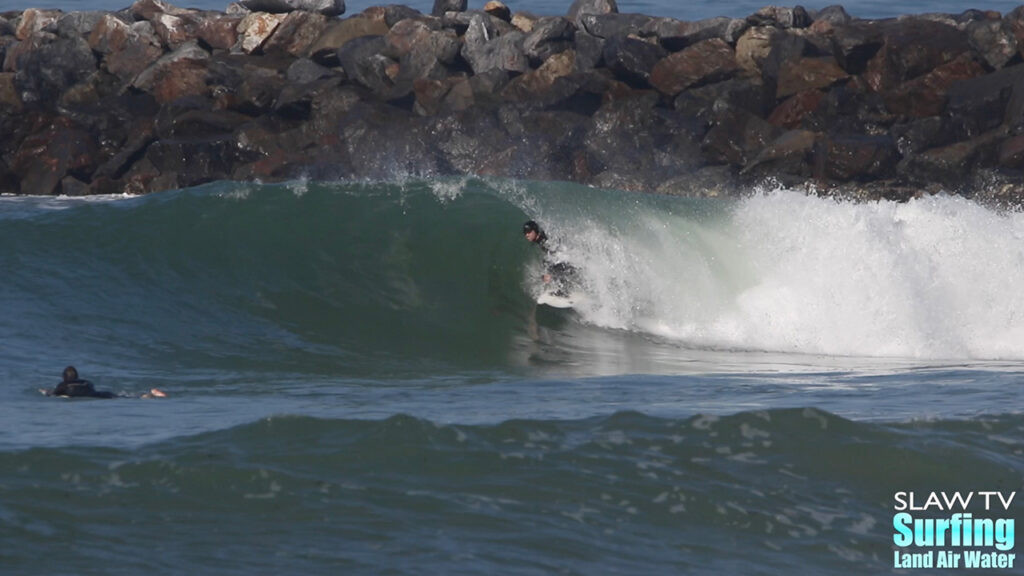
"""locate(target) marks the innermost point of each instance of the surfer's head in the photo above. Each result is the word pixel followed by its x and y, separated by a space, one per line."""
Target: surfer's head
pixel 70 374
pixel 532 231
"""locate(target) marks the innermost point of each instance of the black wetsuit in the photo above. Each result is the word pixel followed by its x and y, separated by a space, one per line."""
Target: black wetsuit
pixel 79 389
pixel 562 273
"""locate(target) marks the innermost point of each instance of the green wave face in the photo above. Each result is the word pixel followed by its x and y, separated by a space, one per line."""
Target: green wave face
pixel 422 277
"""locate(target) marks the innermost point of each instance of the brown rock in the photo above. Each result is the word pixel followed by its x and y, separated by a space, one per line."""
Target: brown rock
pixel 461 96
pixel 296 33
pixel 859 157
pixel 790 153
pixel 995 40
pixel 429 94
pixel 705 62
pixel 524 22
pixel 173 30
pixel 150 9
pixel 45 158
pixel 533 85
pixel 340 32
pixel 808 74
pixel 139 49
pixel 405 35
pixel 219 32
pixel 791 113
pixel 255 29
pixel 179 73
pixel 34 20
pixel 180 79
pixel 754 46
pixel 927 95
pixel 912 48
pixel 737 137
pixel 498 10
pixel 411 36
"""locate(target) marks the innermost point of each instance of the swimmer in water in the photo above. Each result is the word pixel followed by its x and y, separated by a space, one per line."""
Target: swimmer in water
pixel 74 387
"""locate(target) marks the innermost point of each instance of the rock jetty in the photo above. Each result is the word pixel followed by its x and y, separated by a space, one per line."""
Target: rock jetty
pixel 158 97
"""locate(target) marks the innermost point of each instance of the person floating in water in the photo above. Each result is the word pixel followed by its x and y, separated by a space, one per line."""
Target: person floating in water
pixel 74 387
pixel 556 270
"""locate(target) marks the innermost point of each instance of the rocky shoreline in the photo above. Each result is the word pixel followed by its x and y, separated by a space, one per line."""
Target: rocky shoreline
pixel 157 97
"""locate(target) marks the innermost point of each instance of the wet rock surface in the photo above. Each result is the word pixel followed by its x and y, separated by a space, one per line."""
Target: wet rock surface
pixel 156 97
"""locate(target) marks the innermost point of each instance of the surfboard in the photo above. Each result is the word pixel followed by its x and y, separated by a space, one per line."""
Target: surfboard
pixel 560 300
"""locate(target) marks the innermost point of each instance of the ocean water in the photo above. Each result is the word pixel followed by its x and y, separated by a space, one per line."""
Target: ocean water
pixel 360 382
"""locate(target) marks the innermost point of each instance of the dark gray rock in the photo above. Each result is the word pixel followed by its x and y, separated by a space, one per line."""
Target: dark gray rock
pixel 580 8
pixel 983 103
pixel 835 15
pixel 49 70
pixel 325 7
pixel 784 17
pixel 614 25
pixel 304 71
pixel 737 137
pixel 856 44
pixel 676 35
pixel 550 35
pixel 859 157
pixel 739 93
pixel 443 6
pixel 589 51
pixel 484 52
pixel 922 134
pixel 77 24
pixel 632 60
pixel 363 62
pixel 994 40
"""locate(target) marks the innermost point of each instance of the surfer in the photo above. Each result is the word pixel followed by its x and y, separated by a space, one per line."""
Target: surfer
pixel 558 270
pixel 74 387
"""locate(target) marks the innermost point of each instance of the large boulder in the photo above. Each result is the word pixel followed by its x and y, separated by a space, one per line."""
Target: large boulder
pixel 296 34
pixel 548 36
pixel 33 21
pixel 632 60
pixel 859 157
pixel 706 62
pixel 484 52
pixel 804 74
pixel 912 48
pixel 340 32
pixel 45 158
pixel 255 29
pixel 926 95
pixel 46 72
pixel 127 49
pixel 980 103
pixel 179 73
pixel 995 40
